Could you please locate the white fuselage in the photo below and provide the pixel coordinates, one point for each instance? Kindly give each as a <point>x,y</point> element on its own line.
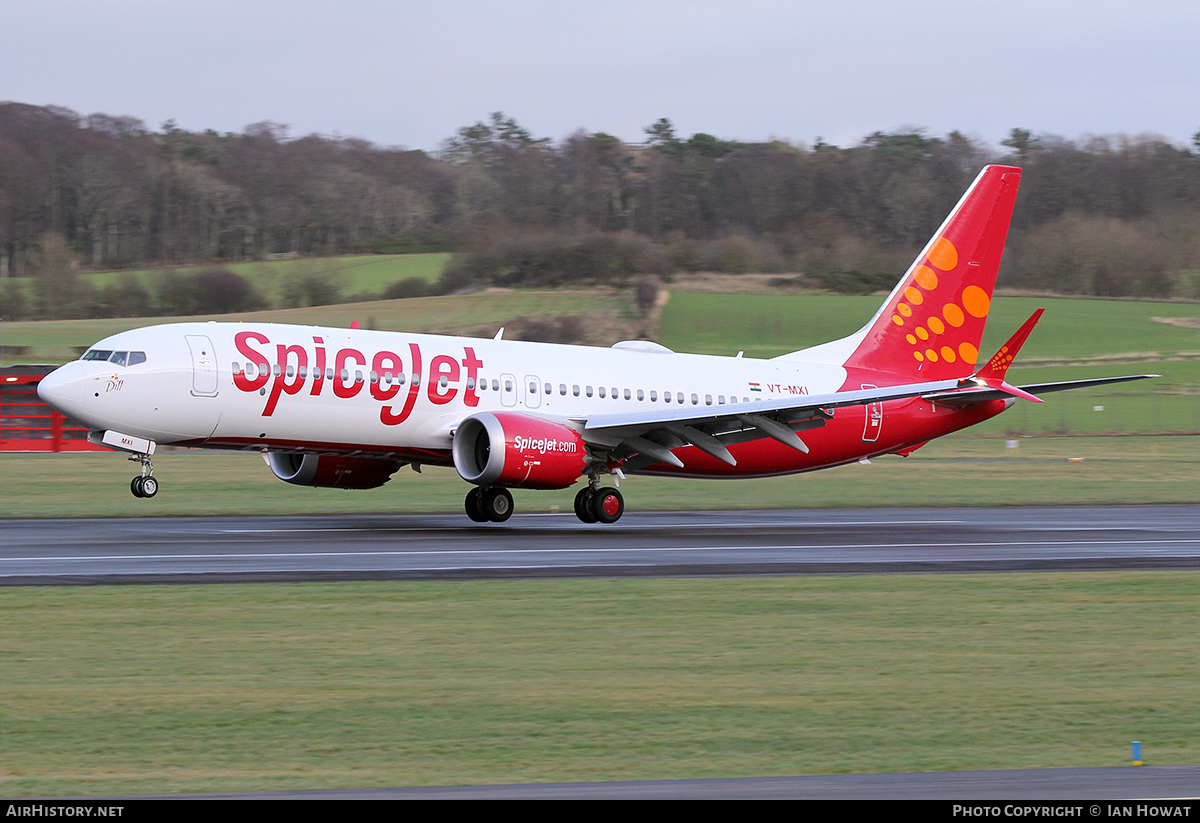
<point>349,390</point>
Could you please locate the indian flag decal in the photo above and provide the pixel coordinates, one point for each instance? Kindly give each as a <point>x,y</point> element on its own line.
<point>755,387</point>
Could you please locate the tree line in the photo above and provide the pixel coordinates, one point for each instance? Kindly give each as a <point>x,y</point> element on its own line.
<point>1102,215</point>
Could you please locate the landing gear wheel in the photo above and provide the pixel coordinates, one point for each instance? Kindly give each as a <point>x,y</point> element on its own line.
<point>583,509</point>
<point>474,505</point>
<point>497,505</point>
<point>144,485</point>
<point>607,505</point>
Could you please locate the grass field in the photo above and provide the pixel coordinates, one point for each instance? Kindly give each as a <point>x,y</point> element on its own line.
<point>762,325</point>
<point>1076,339</point>
<point>770,325</point>
<point>193,688</point>
<point>956,471</point>
<point>221,688</point>
<point>354,273</point>
<point>56,341</point>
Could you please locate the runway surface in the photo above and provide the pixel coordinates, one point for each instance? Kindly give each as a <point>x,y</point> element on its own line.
<point>362,547</point>
<point>1084,785</point>
<point>230,550</point>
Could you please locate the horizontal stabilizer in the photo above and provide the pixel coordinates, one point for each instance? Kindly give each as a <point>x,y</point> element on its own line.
<point>980,394</point>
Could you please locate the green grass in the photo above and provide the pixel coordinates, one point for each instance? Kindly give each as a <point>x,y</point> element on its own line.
<point>354,273</point>
<point>126,690</point>
<point>1076,339</point>
<point>770,325</point>
<point>955,471</point>
<point>224,688</point>
<point>761,325</point>
<point>56,341</point>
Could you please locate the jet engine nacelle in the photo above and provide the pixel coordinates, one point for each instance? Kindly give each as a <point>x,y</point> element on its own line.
<point>332,471</point>
<point>509,449</point>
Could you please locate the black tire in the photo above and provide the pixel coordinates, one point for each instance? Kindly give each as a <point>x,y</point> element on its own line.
<point>497,505</point>
<point>474,505</point>
<point>149,486</point>
<point>607,505</point>
<point>583,509</point>
<point>135,486</point>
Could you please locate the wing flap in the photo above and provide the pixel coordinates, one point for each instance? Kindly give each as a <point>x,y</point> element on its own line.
<point>651,437</point>
<point>795,407</point>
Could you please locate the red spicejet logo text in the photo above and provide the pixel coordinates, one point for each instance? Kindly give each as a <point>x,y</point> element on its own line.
<point>296,357</point>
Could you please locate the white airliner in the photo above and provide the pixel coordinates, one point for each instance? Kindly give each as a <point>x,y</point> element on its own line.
<point>347,408</point>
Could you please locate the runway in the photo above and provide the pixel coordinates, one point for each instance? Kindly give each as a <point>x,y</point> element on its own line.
<point>378,547</point>
<point>829,541</point>
<point>1114,783</point>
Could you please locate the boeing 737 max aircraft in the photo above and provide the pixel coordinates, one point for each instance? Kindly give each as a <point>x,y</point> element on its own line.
<point>347,408</point>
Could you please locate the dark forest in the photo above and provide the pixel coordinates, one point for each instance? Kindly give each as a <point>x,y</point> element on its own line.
<point>1114,216</point>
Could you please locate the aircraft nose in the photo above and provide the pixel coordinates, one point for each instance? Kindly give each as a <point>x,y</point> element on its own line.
<point>63,389</point>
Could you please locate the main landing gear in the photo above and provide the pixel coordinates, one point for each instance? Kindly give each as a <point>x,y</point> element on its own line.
<point>599,505</point>
<point>592,505</point>
<point>145,484</point>
<point>494,504</point>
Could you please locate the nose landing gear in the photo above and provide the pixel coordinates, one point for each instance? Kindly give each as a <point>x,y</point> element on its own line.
<point>145,484</point>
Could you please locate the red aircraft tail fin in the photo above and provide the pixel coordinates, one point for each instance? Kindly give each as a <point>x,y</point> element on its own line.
<point>931,324</point>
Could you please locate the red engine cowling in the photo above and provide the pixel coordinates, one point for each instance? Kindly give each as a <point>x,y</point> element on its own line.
<point>509,449</point>
<point>331,471</point>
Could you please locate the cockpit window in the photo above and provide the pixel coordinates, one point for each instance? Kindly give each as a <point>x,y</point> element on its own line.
<point>121,358</point>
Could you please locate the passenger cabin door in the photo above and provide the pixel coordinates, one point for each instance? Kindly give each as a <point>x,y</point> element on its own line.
<point>204,365</point>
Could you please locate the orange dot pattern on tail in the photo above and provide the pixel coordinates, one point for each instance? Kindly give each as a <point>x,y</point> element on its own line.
<point>942,320</point>
<point>932,323</point>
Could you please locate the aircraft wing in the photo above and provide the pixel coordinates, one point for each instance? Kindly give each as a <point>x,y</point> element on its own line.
<point>966,397</point>
<point>647,437</point>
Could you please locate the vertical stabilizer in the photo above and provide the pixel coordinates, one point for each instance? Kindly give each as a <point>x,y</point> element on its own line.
<point>930,326</point>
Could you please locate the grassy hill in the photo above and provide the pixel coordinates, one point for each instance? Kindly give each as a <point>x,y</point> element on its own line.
<point>1077,338</point>
<point>766,325</point>
<point>57,341</point>
<point>354,274</point>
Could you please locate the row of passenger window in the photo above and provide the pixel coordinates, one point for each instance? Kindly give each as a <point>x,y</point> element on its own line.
<point>399,379</point>
<point>615,394</point>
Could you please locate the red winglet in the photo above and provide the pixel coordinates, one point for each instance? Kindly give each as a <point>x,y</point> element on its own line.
<point>992,374</point>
